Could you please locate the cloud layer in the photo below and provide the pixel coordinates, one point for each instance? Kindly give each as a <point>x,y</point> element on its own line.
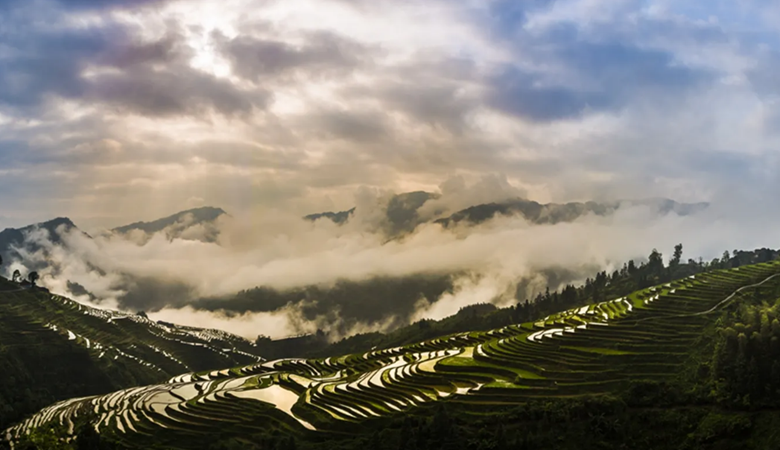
<point>486,263</point>
<point>118,111</point>
<point>112,112</point>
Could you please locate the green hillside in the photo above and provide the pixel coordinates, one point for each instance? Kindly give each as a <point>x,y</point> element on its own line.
<point>639,348</point>
<point>52,348</point>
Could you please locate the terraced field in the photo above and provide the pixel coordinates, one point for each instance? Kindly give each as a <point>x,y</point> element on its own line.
<point>154,350</point>
<point>590,350</point>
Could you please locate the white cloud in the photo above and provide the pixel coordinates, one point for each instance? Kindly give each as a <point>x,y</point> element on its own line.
<point>610,100</point>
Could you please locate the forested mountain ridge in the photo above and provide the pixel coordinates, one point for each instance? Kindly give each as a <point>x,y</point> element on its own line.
<point>17,243</point>
<point>402,211</point>
<point>574,373</point>
<point>552,213</point>
<point>631,277</point>
<point>175,224</point>
<point>52,348</point>
<point>20,243</point>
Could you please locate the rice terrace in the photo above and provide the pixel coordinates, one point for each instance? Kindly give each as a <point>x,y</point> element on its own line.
<point>594,349</point>
<point>389,225</point>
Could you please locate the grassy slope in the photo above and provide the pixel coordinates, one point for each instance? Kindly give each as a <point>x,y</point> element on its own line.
<point>638,367</point>
<point>52,348</point>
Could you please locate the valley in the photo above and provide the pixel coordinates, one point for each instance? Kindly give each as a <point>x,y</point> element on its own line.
<point>597,349</point>
<point>52,348</point>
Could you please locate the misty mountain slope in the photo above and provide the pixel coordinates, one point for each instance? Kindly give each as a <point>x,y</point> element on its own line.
<point>628,347</point>
<point>176,225</point>
<point>378,286</point>
<point>31,245</point>
<point>484,316</point>
<point>57,348</point>
<point>343,305</point>
<point>337,217</point>
<point>15,243</point>
<point>400,212</point>
<point>552,213</point>
<point>54,246</point>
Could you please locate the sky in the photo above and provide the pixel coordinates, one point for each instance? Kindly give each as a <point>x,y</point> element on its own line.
<point>117,111</point>
<point>114,111</point>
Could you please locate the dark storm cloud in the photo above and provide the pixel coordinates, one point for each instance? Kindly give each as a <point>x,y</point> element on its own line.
<point>130,54</point>
<point>598,77</point>
<point>359,126</point>
<point>35,65</point>
<point>148,78</point>
<point>175,91</point>
<point>514,91</point>
<point>438,105</point>
<point>321,54</point>
<point>101,4</point>
<point>564,69</point>
<point>332,105</point>
<point>505,17</point>
<point>80,5</point>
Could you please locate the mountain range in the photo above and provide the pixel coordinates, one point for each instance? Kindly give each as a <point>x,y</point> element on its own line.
<point>401,212</point>
<point>665,366</point>
<point>174,226</point>
<point>342,305</point>
<point>19,243</point>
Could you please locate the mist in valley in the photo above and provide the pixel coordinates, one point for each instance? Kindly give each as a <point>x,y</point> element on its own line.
<point>286,109</point>
<point>279,275</point>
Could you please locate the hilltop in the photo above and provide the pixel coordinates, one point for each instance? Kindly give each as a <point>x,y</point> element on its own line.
<point>31,237</point>
<point>680,347</point>
<point>175,225</point>
<point>400,212</point>
<point>14,242</point>
<point>552,213</point>
<point>52,348</point>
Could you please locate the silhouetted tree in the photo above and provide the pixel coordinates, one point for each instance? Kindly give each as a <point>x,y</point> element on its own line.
<point>16,276</point>
<point>32,277</point>
<point>677,255</point>
<point>655,263</point>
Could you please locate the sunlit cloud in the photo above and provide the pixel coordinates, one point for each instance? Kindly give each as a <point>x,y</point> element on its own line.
<point>112,112</point>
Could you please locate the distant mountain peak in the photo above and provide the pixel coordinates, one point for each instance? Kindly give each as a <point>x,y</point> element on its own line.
<point>551,213</point>
<point>400,212</point>
<point>202,214</point>
<point>176,224</point>
<point>337,217</point>
<point>48,224</point>
<point>13,239</point>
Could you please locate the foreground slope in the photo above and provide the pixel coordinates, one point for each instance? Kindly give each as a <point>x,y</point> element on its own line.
<point>53,348</point>
<point>595,349</point>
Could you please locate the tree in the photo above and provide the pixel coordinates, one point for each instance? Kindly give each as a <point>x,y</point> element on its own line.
<point>677,255</point>
<point>32,277</point>
<point>16,276</point>
<point>655,262</point>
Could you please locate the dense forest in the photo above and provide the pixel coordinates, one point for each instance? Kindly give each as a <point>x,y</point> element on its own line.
<point>729,393</point>
<point>602,286</point>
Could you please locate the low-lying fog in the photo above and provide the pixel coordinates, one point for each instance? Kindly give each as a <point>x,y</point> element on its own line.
<point>166,277</point>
